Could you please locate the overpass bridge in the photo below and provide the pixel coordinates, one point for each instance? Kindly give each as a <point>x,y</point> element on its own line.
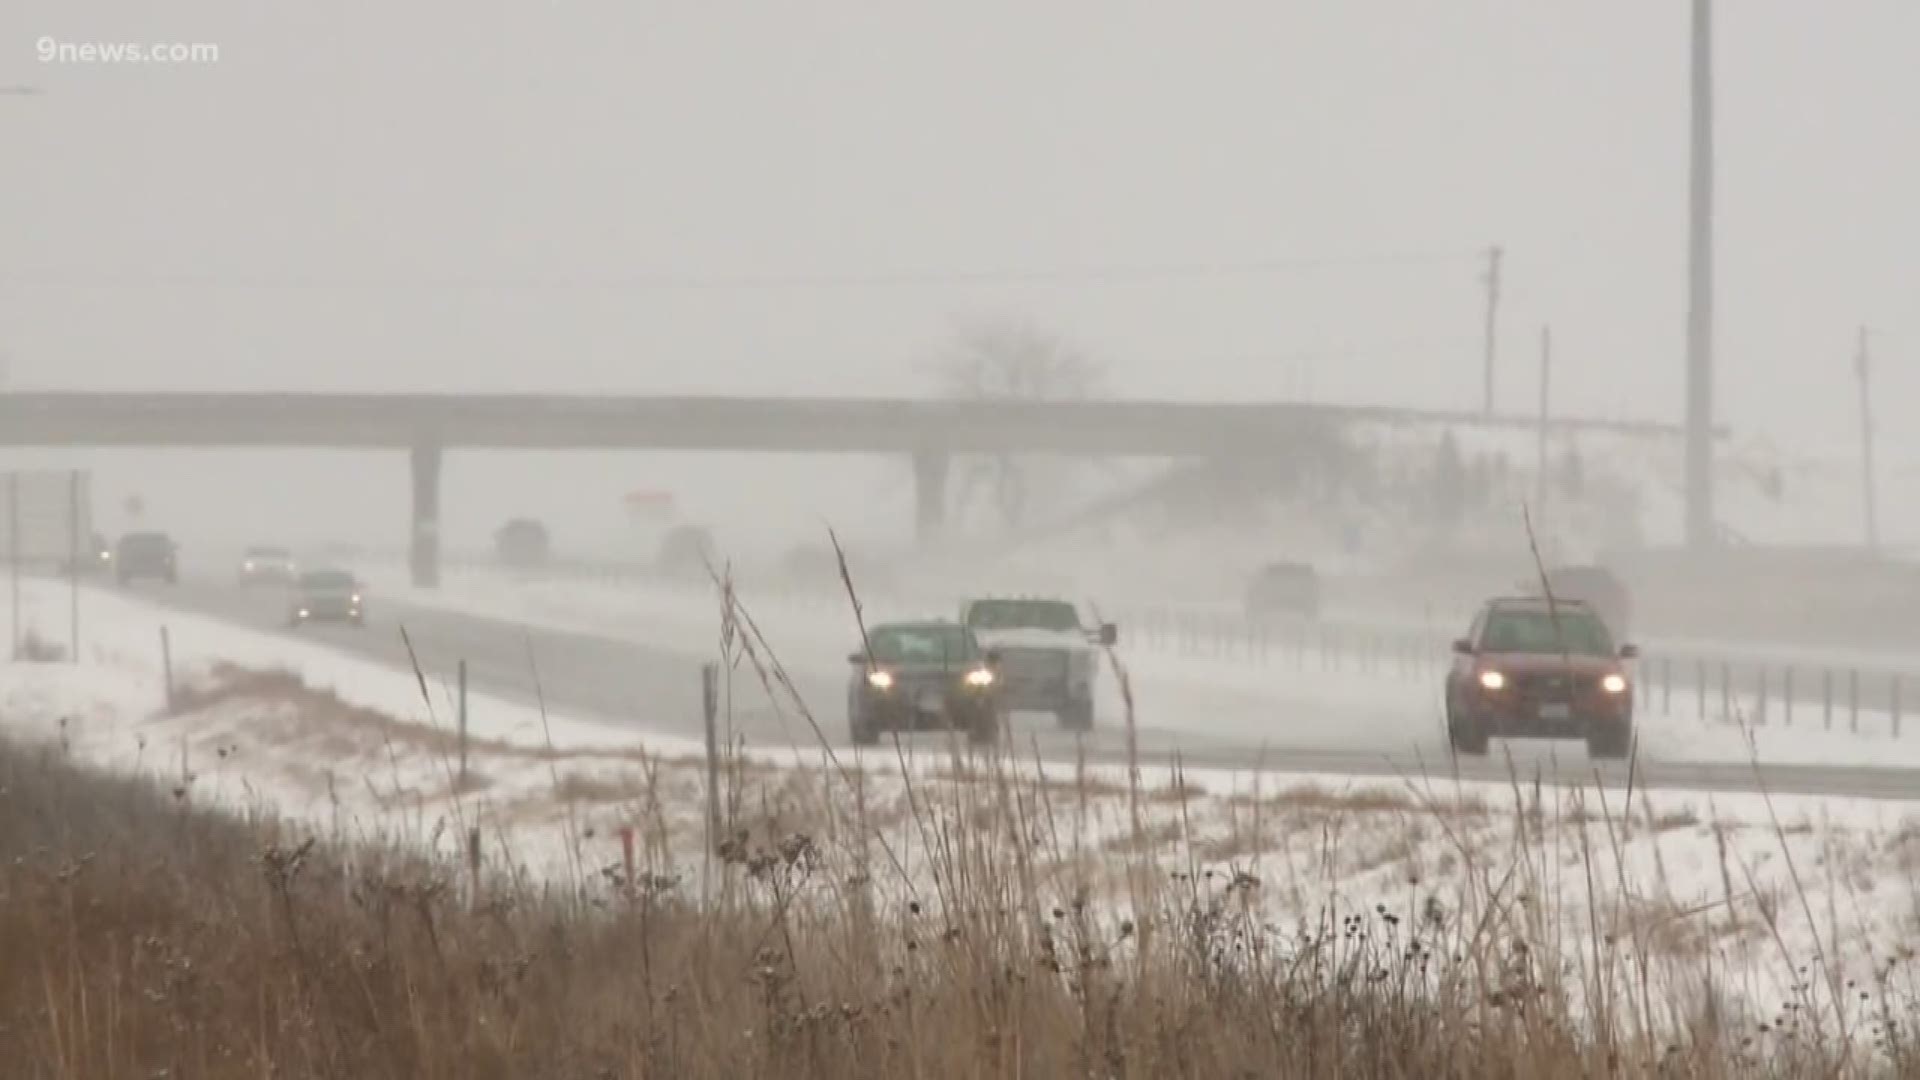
<point>928,431</point>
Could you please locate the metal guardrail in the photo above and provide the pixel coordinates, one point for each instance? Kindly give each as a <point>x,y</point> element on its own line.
<point>1755,690</point>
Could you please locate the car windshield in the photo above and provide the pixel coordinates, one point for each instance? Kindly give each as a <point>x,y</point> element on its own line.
<point>268,553</point>
<point>1575,631</point>
<point>327,579</point>
<point>1023,615</point>
<point>921,644</point>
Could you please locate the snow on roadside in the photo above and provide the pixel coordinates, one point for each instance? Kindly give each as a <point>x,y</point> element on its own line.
<point>1760,886</point>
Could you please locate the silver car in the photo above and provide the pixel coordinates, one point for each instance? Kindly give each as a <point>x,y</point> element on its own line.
<point>326,596</point>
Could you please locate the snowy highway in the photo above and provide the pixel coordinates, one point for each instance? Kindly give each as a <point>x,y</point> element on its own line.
<point>654,688</point>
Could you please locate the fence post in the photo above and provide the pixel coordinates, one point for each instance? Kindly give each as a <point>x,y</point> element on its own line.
<point>1786,697</point>
<point>73,556</point>
<point>1666,685</point>
<point>1760,695</point>
<point>1853,698</point>
<point>1726,690</point>
<point>1826,696</point>
<point>1894,689</point>
<point>473,867</point>
<point>462,669</point>
<point>13,552</point>
<point>166,665</point>
<point>1700,685</point>
<point>709,714</point>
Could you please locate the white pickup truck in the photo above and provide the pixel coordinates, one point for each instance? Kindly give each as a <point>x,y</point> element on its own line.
<point>1045,655</point>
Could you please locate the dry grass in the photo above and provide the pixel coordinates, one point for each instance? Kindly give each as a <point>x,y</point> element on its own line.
<point>139,937</point>
<point>983,924</point>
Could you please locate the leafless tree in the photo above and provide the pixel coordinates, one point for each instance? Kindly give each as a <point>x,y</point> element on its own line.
<point>1009,359</point>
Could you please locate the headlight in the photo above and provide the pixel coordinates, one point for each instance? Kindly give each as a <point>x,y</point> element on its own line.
<point>979,677</point>
<point>1493,680</point>
<point>106,556</point>
<point>879,680</point>
<point>356,598</point>
<point>303,613</point>
<point>1614,684</point>
<point>247,566</point>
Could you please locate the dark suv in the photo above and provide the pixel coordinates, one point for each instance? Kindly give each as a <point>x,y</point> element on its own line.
<point>147,555</point>
<point>1531,668</point>
<point>922,675</point>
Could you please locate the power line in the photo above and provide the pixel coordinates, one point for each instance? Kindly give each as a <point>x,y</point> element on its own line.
<point>1090,275</point>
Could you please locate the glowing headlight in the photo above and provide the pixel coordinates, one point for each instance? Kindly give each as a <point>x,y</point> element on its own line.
<point>356,598</point>
<point>879,680</point>
<point>106,556</point>
<point>979,677</point>
<point>304,613</point>
<point>1493,680</point>
<point>1614,684</point>
<point>247,566</point>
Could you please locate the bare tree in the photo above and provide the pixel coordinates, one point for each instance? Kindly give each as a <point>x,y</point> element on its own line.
<point>1007,359</point>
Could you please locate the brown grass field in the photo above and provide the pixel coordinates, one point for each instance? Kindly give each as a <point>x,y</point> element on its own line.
<point>141,937</point>
<point>973,922</point>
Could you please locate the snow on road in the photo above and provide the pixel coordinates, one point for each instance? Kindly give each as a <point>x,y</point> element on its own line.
<point>1278,699</point>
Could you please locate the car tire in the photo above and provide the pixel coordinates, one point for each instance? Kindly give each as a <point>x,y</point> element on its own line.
<point>1466,735</point>
<point>984,729</point>
<point>1077,716</point>
<point>1610,742</point>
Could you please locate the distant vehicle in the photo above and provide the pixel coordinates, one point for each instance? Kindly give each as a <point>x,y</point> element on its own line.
<point>1530,669</point>
<point>1047,658</point>
<point>95,557</point>
<point>263,565</point>
<point>523,544</point>
<point>1596,586</point>
<point>147,555</point>
<point>1284,590</point>
<point>326,596</point>
<point>916,675</point>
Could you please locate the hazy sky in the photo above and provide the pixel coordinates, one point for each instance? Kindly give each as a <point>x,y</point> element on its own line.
<point>801,198</point>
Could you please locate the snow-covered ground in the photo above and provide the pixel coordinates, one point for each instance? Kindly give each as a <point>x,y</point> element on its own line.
<point>1788,897</point>
<point>1278,697</point>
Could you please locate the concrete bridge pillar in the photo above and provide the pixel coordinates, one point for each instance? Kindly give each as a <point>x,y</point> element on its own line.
<point>424,550</point>
<point>929,496</point>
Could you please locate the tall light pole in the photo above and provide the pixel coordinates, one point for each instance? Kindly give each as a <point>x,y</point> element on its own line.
<point>1491,336</point>
<point>1862,372</point>
<point>1546,377</point>
<point>1701,533</point>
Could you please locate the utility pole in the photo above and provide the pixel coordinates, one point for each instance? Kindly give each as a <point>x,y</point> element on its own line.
<point>1862,372</point>
<point>1546,376</point>
<point>1700,516</point>
<point>1491,279</point>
